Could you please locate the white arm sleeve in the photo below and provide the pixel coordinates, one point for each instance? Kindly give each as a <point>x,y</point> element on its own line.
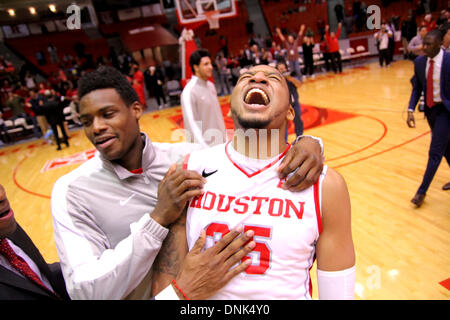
<point>167,294</point>
<point>336,285</point>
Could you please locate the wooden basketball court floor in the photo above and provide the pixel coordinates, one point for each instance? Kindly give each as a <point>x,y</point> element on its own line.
<point>401,252</point>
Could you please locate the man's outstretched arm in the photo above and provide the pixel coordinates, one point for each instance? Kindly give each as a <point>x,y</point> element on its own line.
<point>334,250</point>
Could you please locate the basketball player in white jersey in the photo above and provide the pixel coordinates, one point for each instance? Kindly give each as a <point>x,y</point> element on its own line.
<point>243,191</point>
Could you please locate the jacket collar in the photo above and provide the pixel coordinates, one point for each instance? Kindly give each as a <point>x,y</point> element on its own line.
<point>148,155</point>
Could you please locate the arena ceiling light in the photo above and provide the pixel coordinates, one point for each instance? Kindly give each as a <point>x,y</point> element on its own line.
<point>11,12</point>
<point>52,8</point>
<point>32,10</point>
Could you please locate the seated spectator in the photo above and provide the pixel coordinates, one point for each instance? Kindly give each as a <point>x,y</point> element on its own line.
<point>3,131</point>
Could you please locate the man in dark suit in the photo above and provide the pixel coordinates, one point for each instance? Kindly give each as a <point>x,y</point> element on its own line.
<point>24,274</point>
<point>53,112</point>
<point>432,77</point>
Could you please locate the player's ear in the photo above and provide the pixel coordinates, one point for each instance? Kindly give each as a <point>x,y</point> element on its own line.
<point>137,110</point>
<point>290,114</point>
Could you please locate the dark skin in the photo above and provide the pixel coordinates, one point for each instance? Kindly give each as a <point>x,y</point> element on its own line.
<point>431,46</point>
<point>7,222</point>
<point>112,127</point>
<point>175,247</point>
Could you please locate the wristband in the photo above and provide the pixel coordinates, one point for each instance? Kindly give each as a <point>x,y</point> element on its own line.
<point>179,289</point>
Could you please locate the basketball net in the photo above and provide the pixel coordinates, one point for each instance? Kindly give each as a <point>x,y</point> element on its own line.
<point>213,18</point>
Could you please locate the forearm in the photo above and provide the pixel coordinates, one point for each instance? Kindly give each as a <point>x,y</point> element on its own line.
<point>91,272</point>
<point>168,262</point>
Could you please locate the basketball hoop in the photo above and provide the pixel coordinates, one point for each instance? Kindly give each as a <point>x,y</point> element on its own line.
<point>213,18</point>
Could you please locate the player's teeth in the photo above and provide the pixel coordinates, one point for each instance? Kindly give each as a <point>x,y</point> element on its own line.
<point>266,99</point>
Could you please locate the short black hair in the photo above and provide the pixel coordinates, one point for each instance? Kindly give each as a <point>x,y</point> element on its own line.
<point>435,34</point>
<point>106,77</point>
<point>196,56</point>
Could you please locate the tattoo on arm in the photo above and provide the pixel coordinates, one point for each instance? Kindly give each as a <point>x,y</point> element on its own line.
<point>169,260</point>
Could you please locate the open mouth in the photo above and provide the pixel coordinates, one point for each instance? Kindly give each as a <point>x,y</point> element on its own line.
<point>104,142</point>
<point>256,96</point>
<point>6,213</point>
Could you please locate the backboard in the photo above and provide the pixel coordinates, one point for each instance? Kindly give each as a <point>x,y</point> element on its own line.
<point>194,11</point>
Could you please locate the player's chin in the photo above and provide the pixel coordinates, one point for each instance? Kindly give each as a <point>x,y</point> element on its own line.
<point>253,122</point>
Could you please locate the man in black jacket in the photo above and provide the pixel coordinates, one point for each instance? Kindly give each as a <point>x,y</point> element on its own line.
<point>24,274</point>
<point>55,117</point>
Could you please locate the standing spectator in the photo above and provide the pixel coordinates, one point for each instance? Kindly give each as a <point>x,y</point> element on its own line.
<point>139,88</point>
<point>224,72</point>
<point>40,58</point>
<point>325,53</point>
<point>431,78</point>
<point>291,44</point>
<point>138,83</point>
<point>391,41</point>
<point>33,102</point>
<point>202,114</point>
<point>382,38</point>
<point>223,44</point>
<point>409,28</point>
<point>55,117</point>
<point>29,81</point>
<point>339,11</point>
<point>333,47</point>
<point>154,84</point>
<point>53,53</point>
<point>415,45</point>
<point>308,46</point>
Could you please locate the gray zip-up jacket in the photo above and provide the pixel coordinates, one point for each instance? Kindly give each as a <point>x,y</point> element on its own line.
<point>105,238</point>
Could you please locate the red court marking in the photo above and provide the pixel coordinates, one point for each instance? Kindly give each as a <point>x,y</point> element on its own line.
<point>22,188</point>
<point>383,151</point>
<point>445,283</point>
<point>369,145</point>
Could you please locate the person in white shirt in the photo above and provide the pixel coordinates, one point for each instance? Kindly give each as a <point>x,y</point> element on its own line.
<point>382,38</point>
<point>202,114</point>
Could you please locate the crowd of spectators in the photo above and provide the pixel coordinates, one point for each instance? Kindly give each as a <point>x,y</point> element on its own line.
<point>25,93</point>
<point>22,87</point>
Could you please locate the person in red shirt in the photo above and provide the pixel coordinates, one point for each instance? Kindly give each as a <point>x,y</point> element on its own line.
<point>139,88</point>
<point>137,81</point>
<point>429,23</point>
<point>333,47</point>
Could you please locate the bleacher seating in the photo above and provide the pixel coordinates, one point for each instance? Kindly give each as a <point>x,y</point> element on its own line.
<point>29,46</point>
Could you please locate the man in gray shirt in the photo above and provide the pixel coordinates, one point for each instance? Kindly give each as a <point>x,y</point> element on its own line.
<point>202,114</point>
<point>415,45</point>
<point>112,213</point>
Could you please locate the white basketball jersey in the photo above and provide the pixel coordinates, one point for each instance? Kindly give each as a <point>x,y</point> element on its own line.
<point>286,224</point>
